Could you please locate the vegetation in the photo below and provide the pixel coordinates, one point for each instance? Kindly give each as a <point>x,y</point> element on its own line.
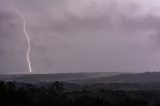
<point>30,95</point>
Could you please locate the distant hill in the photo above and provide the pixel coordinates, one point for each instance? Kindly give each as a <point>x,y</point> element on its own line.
<point>87,78</point>
<point>65,77</point>
<point>92,81</point>
<point>148,77</point>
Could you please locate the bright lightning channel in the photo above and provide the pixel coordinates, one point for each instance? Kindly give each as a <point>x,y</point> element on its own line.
<point>26,34</point>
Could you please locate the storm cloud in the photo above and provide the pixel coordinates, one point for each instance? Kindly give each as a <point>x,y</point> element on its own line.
<point>81,36</point>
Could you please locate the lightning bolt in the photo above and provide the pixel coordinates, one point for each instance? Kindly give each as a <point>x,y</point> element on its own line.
<point>26,35</point>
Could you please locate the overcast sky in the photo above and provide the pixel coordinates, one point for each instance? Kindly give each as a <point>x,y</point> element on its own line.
<point>81,36</point>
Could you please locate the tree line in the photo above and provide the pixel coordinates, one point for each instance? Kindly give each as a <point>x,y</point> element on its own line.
<point>30,95</point>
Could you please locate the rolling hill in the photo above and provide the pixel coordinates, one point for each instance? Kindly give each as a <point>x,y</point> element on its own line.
<point>147,77</point>
<point>65,77</point>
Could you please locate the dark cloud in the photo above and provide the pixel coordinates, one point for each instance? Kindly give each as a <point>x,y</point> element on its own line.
<point>73,36</point>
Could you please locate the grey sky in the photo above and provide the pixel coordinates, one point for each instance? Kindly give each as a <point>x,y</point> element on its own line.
<point>81,35</point>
